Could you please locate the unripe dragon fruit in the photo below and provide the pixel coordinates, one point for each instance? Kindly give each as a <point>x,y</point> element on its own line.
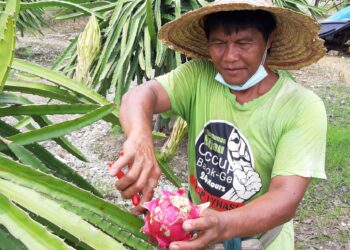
<point>163,222</point>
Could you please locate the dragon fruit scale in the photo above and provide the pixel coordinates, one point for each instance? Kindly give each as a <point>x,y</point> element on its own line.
<point>166,214</point>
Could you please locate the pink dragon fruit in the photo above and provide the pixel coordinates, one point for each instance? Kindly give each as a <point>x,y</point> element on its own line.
<point>163,222</point>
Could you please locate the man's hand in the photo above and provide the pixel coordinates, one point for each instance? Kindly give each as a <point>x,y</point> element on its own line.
<point>210,227</point>
<point>143,173</point>
<point>136,112</point>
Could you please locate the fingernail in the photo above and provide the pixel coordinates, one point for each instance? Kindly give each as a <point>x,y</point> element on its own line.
<point>174,247</point>
<point>187,226</point>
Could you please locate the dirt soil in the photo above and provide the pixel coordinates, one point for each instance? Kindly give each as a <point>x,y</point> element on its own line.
<point>100,145</point>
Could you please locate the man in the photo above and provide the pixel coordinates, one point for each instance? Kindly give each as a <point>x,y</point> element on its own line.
<point>255,136</point>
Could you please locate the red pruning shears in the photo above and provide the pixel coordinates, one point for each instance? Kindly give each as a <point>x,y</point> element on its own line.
<point>136,197</point>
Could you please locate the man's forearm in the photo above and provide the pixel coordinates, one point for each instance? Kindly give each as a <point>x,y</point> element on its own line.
<point>266,212</point>
<point>139,105</point>
<point>136,111</point>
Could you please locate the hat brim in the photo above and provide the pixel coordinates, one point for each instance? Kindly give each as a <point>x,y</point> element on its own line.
<point>296,43</point>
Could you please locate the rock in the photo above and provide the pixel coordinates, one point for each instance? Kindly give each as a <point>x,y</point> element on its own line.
<point>333,53</point>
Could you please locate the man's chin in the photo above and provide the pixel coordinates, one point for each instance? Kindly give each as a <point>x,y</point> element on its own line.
<point>234,81</point>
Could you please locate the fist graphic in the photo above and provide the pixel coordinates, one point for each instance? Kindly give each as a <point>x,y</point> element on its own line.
<point>246,183</point>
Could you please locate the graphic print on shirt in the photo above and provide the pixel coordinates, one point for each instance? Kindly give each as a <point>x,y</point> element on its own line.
<point>225,167</point>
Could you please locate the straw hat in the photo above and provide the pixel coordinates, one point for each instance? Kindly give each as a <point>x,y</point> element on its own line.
<point>295,45</point>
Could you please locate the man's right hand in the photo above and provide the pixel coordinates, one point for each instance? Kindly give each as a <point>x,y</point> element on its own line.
<point>144,172</point>
<point>136,112</point>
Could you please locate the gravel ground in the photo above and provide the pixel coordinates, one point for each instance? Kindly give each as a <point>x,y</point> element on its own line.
<point>100,145</point>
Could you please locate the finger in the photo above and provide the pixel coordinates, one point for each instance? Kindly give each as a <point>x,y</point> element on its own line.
<point>147,194</point>
<point>149,177</point>
<point>203,241</point>
<point>119,164</point>
<point>129,179</point>
<point>148,191</point>
<point>134,180</point>
<point>200,224</point>
<point>138,210</point>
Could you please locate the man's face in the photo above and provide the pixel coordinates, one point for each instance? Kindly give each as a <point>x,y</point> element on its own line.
<point>236,56</point>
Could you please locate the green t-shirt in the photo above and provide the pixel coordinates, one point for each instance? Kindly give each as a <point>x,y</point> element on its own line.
<point>234,150</point>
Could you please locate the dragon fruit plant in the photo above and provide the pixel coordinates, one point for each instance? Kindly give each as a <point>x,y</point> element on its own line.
<point>166,214</point>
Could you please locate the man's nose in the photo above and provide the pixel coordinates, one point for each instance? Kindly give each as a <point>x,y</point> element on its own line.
<point>231,53</point>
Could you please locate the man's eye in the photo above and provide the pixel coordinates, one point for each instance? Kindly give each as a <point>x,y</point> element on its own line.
<point>243,43</point>
<point>216,43</point>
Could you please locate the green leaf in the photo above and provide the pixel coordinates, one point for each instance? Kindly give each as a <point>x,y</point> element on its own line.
<point>194,4</point>
<point>84,213</point>
<point>55,92</point>
<point>28,158</point>
<point>60,169</point>
<point>61,3</point>
<point>43,121</point>
<point>166,170</point>
<point>60,129</point>
<point>141,57</point>
<point>150,20</point>
<point>58,79</point>
<point>66,53</point>
<point>68,238</point>
<point>7,46</point>
<point>148,54</point>
<point>158,135</point>
<point>178,14</point>
<point>11,12</point>
<point>24,122</point>
<point>12,8</point>
<point>203,2</point>
<point>32,21</point>
<point>8,241</point>
<point>22,227</point>
<point>103,9</point>
<point>115,16</point>
<point>131,73</point>
<point>115,29</point>
<point>132,38</point>
<point>56,167</point>
<point>160,49</point>
<point>125,34</point>
<point>47,109</point>
<point>41,89</point>
<point>39,204</point>
<point>8,98</point>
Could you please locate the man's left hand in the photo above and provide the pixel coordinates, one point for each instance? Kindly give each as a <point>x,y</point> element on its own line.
<point>210,228</point>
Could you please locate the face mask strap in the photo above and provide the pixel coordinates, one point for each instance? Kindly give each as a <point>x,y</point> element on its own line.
<point>265,53</point>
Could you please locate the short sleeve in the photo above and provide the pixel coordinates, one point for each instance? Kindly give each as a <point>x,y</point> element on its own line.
<point>180,85</point>
<point>301,149</point>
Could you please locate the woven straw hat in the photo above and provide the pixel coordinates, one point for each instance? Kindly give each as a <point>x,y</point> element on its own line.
<point>296,43</point>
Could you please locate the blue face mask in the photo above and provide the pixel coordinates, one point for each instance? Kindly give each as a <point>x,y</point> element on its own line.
<point>259,75</point>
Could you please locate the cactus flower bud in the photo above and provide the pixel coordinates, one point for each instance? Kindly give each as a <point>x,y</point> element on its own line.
<point>87,48</point>
<point>163,222</point>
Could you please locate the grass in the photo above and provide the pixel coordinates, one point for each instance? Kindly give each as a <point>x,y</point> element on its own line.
<point>326,205</point>
<point>337,102</point>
